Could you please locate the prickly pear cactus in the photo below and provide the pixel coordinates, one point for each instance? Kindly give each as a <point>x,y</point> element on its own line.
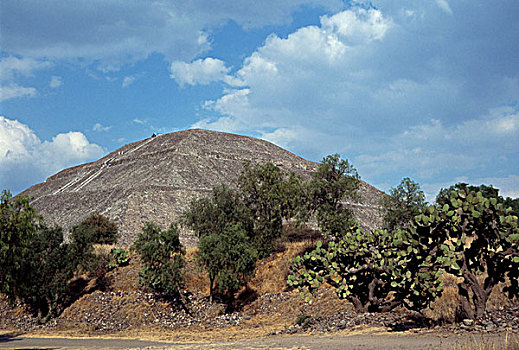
<point>474,235</point>
<point>365,267</point>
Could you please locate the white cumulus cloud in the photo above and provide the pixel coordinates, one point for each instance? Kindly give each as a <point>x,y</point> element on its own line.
<point>25,159</point>
<point>201,71</point>
<point>400,88</point>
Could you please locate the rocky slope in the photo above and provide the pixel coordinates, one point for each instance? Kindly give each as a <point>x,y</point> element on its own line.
<point>155,180</point>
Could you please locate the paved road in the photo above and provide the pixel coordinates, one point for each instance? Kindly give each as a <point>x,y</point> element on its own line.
<point>339,342</point>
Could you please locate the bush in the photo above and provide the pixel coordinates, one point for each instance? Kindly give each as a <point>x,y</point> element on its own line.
<point>36,264</point>
<point>224,227</point>
<point>229,259</point>
<point>101,229</point>
<point>271,196</point>
<point>403,203</point>
<point>162,258</point>
<point>118,257</point>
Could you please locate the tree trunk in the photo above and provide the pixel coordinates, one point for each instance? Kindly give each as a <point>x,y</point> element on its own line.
<point>464,310</point>
<point>357,304</point>
<point>211,287</point>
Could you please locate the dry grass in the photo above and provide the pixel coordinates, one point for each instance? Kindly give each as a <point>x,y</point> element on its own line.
<point>271,274</point>
<point>195,278</point>
<point>507,342</point>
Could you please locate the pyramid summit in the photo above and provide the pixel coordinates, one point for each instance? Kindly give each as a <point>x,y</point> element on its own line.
<point>157,178</point>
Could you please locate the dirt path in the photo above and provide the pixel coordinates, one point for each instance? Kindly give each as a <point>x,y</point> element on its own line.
<point>336,341</point>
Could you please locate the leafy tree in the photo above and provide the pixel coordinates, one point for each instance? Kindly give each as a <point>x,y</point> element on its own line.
<point>366,266</point>
<point>228,257</point>
<point>272,196</point>
<point>101,228</point>
<point>162,257</point>
<point>206,216</point>
<point>403,203</point>
<point>333,183</point>
<point>36,264</point>
<point>18,223</point>
<point>225,229</point>
<point>475,234</point>
<point>49,266</point>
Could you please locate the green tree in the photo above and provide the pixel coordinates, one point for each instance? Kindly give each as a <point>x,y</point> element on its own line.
<point>272,196</point>
<point>229,259</point>
<point>487,192</point>
<point>512,203</point>
<point>475,234</point>
<point>206,216</point>
<point>225,229</point>
<point>18,223</point>
<point>333,184</point>
<point>101,228</point>
<point>49,266</point>
<point>162,257</point>
<point>36,264</point>
<point>403,203</point>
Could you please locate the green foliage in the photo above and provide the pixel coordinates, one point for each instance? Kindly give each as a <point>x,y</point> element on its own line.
<point>18,223</point>
<point>206,216</point>
<point>101,228</point>
<point>444,194</point>
<point>512,203</point>
<point>271,196</point>
<point>334,182</point>
<point>48,267</point>
<point>365,267</point>
<point>162,257</point>
<point>403,203</point>
<point>475,234</point>
<point>118,257</point>
<point>81,246</point>
<point>228,257</point>
<point>224,226</point>
<point>466,235</point>
<point>36,264</point>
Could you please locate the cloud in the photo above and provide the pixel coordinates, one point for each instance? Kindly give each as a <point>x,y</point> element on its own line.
<point>56,82</point>
<point>444,5</point>
<point>25,159</point>
<point>402,89</point>
<point>113,32</point>
<point>12,66</point>
<point>15,91</point>
<point>202,71</point>
<point>99,127</point>
<point>127,81</point>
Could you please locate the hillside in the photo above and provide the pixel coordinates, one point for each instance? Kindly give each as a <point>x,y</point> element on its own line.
<point>155,180</point>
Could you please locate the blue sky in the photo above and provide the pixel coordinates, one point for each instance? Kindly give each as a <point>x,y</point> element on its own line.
<point>425,89</point>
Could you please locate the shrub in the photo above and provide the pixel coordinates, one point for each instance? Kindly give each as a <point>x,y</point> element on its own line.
<point>36,264</point>
<point>162,257</point>
<point>101,229</point>
<point>118,257</point>
<point>271,196</point>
